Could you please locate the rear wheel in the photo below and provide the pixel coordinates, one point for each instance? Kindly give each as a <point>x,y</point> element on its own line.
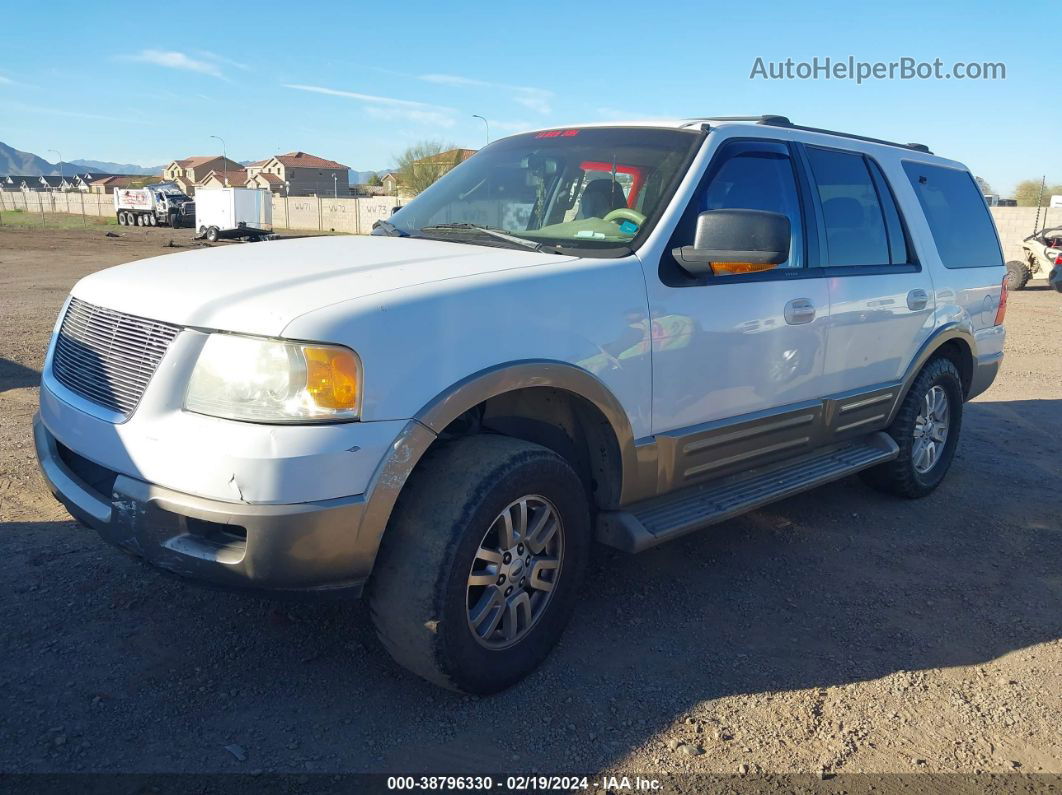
<point>121,219</point>
<point>152,220</point>
<point>480,567</point>
<point>212,234</point>
<point>1017,275</point>
<point>926,429</point>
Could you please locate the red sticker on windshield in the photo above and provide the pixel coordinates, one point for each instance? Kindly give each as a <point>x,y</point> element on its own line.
<point>557,134</point>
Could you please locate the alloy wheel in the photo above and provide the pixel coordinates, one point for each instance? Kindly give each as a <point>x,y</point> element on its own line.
<point>515,572</point>
<point>931,430</point>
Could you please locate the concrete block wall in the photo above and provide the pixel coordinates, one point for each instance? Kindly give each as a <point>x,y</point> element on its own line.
<point>1016,223</point>
<point>75,203</point>
<point>304,213</point>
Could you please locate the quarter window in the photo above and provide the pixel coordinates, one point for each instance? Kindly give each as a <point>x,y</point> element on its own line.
<point>855,225</point>
<point>957,214</point>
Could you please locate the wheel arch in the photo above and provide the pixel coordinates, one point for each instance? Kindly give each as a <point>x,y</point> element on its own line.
<point>516,397</point>
<point>952,341</point>
<point>534,389</point>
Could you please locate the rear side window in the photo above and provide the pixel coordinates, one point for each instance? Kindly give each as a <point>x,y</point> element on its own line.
<point>855,224</point>
<point>957,214</point>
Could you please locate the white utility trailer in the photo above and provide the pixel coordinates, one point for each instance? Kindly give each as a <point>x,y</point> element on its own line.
<point>226,213</point>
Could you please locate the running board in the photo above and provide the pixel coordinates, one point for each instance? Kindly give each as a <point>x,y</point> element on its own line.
<point>654,521</point>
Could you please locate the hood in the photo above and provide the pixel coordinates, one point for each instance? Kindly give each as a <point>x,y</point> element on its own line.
<point>260,288</point>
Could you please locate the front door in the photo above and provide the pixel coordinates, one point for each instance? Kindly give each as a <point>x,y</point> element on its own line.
<point>738,359</point>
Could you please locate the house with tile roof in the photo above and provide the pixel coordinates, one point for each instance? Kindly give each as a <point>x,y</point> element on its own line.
<point>232,178</point>
<point>303,174</point>
<point>187,173</point>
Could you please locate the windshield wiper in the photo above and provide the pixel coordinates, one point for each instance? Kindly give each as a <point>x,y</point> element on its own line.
<point>498,234</point>
<point>389,229</point>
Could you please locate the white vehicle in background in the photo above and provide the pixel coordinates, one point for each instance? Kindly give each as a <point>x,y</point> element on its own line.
<point>162,204</point>
<point>227,213</point>
<point>621,332</point>
<point>1041,255</point>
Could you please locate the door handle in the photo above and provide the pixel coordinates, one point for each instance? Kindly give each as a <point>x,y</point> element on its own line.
<point>799,310</point>
<point>917,299</point>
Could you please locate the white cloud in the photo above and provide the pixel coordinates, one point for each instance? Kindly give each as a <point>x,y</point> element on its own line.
<point>511,126</point>
<point>453,80</point>
<point>389,107</point>
<point>213,56</point>
<point>536,99</point>
<point>428,117</point>
<point>172,59</point>
<point>21,108</point>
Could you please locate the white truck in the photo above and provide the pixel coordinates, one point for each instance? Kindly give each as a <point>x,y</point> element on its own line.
<point>162,204</point>
<point>225,213</point>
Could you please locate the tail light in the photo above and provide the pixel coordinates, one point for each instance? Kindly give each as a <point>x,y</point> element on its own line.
<point>1001,312</point>
<point>1058,259</point>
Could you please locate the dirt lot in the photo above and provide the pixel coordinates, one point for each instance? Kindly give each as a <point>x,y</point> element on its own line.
<point>840,630</point>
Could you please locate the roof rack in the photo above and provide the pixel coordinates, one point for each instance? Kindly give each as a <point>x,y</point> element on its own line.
<point>773,120</point>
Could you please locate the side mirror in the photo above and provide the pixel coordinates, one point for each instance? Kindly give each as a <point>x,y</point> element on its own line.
<point>728,242</point>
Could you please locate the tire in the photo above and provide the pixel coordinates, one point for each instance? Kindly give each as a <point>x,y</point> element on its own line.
<point>907,475</point>
<point>121,219</point>
<point>212,234</point>
<point>1017,275</point>
<point>152,220</point>
<point>420,594</point>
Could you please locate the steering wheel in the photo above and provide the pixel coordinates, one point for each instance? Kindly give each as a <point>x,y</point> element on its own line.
<point>625,214</point>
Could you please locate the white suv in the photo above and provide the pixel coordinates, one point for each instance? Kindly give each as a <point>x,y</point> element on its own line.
<point>623,333</point>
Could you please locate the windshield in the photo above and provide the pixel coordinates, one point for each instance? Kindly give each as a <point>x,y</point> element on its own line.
<point>595,189</point>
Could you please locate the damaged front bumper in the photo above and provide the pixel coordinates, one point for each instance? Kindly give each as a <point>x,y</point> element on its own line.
<point>303,546</point>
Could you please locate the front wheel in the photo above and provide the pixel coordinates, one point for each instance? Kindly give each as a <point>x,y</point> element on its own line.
<point>1018,275</point>
<point>926,429</point>
<point>481,563</point>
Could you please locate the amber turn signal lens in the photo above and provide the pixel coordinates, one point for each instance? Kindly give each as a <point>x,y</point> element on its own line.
<point>332,377</point>
<point>731,268</point>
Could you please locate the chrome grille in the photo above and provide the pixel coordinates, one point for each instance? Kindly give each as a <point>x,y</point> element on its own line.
<point>108,357</point>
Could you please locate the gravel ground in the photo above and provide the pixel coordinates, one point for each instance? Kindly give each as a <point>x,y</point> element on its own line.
<point>838,631</point>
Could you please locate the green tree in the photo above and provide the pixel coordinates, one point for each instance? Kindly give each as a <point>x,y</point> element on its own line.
<point>1029,189</point>
<point>982,183</point>
<point>423,163</point>
<point>375,181</point>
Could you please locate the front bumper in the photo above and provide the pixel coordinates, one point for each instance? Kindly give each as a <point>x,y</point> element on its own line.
<point>318,545</point>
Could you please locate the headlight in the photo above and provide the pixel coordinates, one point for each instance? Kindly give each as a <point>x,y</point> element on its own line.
<point>263,380</point>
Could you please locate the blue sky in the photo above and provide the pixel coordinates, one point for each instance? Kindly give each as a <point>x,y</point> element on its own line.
<point>355,82</point>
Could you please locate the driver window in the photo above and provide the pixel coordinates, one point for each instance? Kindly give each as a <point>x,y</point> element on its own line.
<point>750,175</point>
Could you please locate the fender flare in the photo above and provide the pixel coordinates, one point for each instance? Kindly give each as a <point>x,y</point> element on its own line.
<point>946,333</point>
<point>424,428</point>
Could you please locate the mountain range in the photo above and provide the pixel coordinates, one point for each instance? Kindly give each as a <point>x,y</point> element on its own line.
<point>15,161</point>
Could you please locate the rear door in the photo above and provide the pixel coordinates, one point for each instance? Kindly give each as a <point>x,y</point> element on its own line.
<point>881,297</point>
